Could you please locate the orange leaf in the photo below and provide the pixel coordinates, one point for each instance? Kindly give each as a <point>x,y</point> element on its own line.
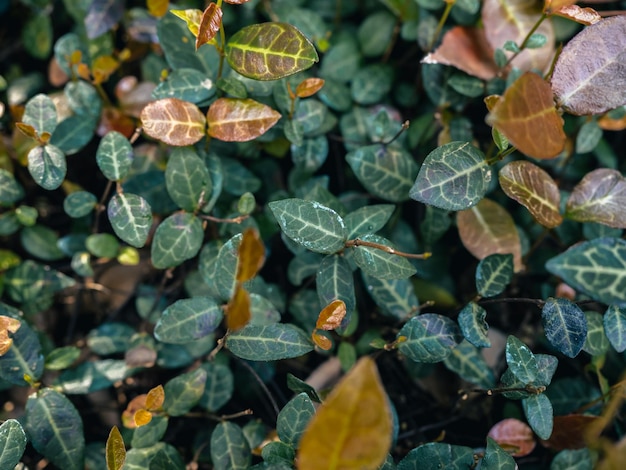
<point>136,404</point>
<point>321,341</point>
<point>7,325</point>
<point>533,188</point>
<point>550,6</point>
<point>309,87</point>
<point>209,25</point>
<point>115,450</point>
<point>142,417</point>
<point>607,123</point>
<point>27,130</point>
<point>238,310</point>
<point>331,316</point>
<point>526,115</point>
<point>352,428</point>
<point>157,8</point>
<point>513,434</point>
<point>487,228</point>
<point>251,254</point>
<point>155,398</point>
<point>173,121</point>
<point>584,16</point>
<point>237,120</point>
<point>467,49</point>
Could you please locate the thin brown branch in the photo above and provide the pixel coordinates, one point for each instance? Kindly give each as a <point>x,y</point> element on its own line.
<point>234,220</point>
<point>358,242</point>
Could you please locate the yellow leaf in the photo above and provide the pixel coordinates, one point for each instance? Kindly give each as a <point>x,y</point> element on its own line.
<point>251,255</point>
<point>136,404</point>
<point>7,325</point>
<point>192,17</point>
<point>155,398</point>
<point>157,8</point>
<point>115,450</point>
<point>142,417</point>
<point>238,309</point>
<point>352,428</point>
<point>331,316</point>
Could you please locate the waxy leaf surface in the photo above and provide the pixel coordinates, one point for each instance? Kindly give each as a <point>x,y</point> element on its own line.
<point>429,338</point>
<point>173,121</point>
<point>209,25</point>
<point>599,197</point>
<point>12,443</point>
<point>237,120</point>
<point>269,343</point>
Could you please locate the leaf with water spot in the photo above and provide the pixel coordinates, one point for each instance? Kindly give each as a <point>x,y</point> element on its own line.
<point>565,325</point>
<point>173,121</point>
<point>12,443</point>
<point>599,197</point>
<point>237,120</point>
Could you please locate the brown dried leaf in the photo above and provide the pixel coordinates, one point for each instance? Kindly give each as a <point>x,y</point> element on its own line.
<point>309,87</point>
<point>209,25</point>
<point>599,197</point>
<point>237,120</point>
<point>568,432</point>
<point>173,121</point>
<point>584,16</point>
<point>238,311</point>
<point>27,130</point>
<point>7,325</point>
<point>467,49</point>
<point>506,20</point>
<point>487,228</point>
<point>331,316</point>
<point>513,434</point>
<point>533,188</point>
<point>526,115</point>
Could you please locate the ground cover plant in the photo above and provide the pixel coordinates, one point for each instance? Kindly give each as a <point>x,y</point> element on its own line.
<point>313,234</point>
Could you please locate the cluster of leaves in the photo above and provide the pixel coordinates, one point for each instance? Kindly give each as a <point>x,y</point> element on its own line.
<point>222,234</point>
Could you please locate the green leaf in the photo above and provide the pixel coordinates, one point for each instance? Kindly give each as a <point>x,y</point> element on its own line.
<point>92,376</point>
<point>467,85</point>
<point>102,245</point>
<point>41,113</point>
<point>395,297</point>
<point>596,342</point>
<point>218,388</point>
<point>79,203</point>
<point>177,238</point>
<point>187,179</point>
<point>73,133</point>
<point>493,274</point>
<point>277,453</point>
<point>473,325</point>
<point>579,459</point>
<point>521,360</point>
<point>61,358</point>
<point>229,447</point>
<point>269,343</point>
<point>10,190</point>
<point>12,443</point>
<point>436,223</point>
<point>436,455</point>
<point>151,433</point>
<point>539,413</point>
<point>596,268</point>
<point>570,393</point>
<point>588,137</point>
<point>466,361</point>
<point>302,266</point>
<point>183,392</point>
<point>23,357</point>
<point>385,171</point>
<point>496,458</point>
<point>37,35</point>
<point>114,156</point>
<point>297,386</point>
<point>47,166</point>
<point>186,84</point>
<point>262,311</point>
<point>379,263</point>
<point>55,429</point>
<point>453,177</point>
<point>41,242</point>
<point>131,218</point>
<point>110,338</point>
<point>83,99</point>
<point>375,33</point>
<point>615,327</point>
<point>167,458</point>
<point>188,319</point>
<point>269,51</point>
<point>342,61</point>
<point>225,268</point>
<point>335,282</point>
<point>372,83</point>
<point>565,325</point>
<point>310,224</point>
<point>429,338</point>
<point>334,94</point>
<point>293,419</point>
<point>238,179</point>
<point>310,114</point>
<point>311,154</point>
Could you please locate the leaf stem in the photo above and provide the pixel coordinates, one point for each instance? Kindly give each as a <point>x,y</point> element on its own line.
<point>234,220</point>
<point>526,39</point>
<point>442,20</point>
<point>358,242</point>
<point>100,206</point>
<point>405,126</point>
<point>501,155</point>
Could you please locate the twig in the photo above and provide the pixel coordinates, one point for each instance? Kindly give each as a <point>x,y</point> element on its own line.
<point>358,242</point>
<point>261,384</point>
<point>234,220</point>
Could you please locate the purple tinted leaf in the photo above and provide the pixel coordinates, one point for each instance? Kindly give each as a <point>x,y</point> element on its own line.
<point>102,16</point>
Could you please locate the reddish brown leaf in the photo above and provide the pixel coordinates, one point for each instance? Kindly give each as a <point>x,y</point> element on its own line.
<point>568,432</point>
<point>533,188</point>
<point>251,255</point>
<point>209,25</point>
<point>157,8</point>
<point>173,121</point>
<point>526,115</point>
<point>584,16</point>
<point>599,197</point>
<point>237,120</point>
<point>113,119</point>
<point>7,325</point>
<point>238,311</point>
<point>609,124</point>
<point>513,434</point>
<point>128,415</point>
<point>56,75</point>
<point>133,95</point>
<point>331,316</point>
<point>309,87</point>
<point>487,228</point>
<point>155,398</point>
<point>511,20</point>
<point>321,341</point>
<point>467,49</point>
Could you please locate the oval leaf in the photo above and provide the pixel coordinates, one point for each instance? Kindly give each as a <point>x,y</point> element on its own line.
<point>533,188</point>
<point>115,450</point>
<point>47,166</point>
<point>187,179</point>
<point>429,338</point>
<point>238,309</point>
<point>131,218</point>
<point>251,254</point>
<point>183,392</point>
<point>269,343</point>
<point>229,447</point>
<point>173,121</point>
<point>269,51</point>
<point>293,419</point>
<point>467,361</point>
<point>114,156</point>
<point>335,283</point>
<point>352,428</point>
<point>381,263</point>
<point>12,443</point>
<point>521,360</point>
<point>615,327</point>
<point>188,319</point>
<point>41,114</point>
<point>493,274</point>
<point>473,325</point>
<point>237,120</point>
<point>209,24</point>
<point>565,325</point>
<point>539,413</point>
<point>513,435</point>
<point>176,239</point>
<point>599,197</point>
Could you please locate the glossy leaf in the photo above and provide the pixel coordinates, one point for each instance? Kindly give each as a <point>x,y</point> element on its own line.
<point>380,263</point>
<point>387,172</point>
<point>473,325</point>
<point>539,413</point>
<point>521,360</point>
<point>453,177</point>
<point>599,197</point>
<point>115,450</point>
<point>294,418</point>
<point>526,115</point>
<point>240,120</point>
<point>331,316</point>
<point>131,218</point>
<point>596,343</point>
<point>585,80</point>
<point>535,189</point>
<point>496,458</point>
<point>269,343</point>
<point>229,447</point>
<point>615,327</point>
<point>395,297</point>
<point>40,113</point>
<point>186,84</point>
<point>352,428</point>
<point>23,356</point>
<point>209,24</point>
<point>322,341</point>
<point>368,219</point>
<point>596,268</point>
<point>488,228</point>
<point>251,254</point>
<point>436,455</point>
<point>187,179</point>
<point>52,422</point>
<point>565,325</point>
<point>7,325</point>
<point>47,166</point>
<point>12,443</point>
<point>269,51</point>
<point>191,17</point>
<point>183,392</point>
<point>238,310</point>
<point>310,224</point>
<point>173,121</point>
<point>429,338</point>
<point>177,238</point>
<point>493,274</point>
<point>466,361</point>
<point>334,282</point>
<point>188,319</point>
